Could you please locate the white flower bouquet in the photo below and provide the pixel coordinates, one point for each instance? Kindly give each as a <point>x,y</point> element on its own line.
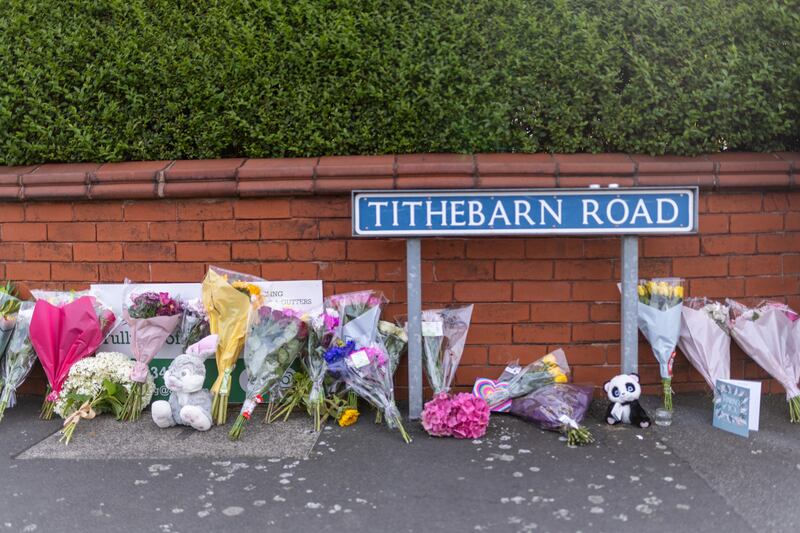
<point>97,385</point>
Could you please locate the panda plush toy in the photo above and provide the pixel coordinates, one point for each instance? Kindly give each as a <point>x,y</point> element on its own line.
<point>623,391</point>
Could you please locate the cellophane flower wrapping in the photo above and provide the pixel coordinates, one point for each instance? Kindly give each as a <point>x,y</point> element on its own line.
<point>97,385</point>
<point>552,368</point>
<point>152,318</point>
<point>366,371</point>
<point>65,328</point>
<point>194,325</point>
<point>766,333</point>
<point>705,338</point>
<point>9,307</point>
<point>275,339</point>
<point>444,333</point>
<point>227,298</point>
<point>358,313</point>
<point>321,327</point>
<point>395,339</point>
<point>19,359</point>
<point>659,318</point>
<point>557,407</point>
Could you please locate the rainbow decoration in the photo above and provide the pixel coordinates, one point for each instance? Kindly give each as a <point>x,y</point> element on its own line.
<point>485,388</point>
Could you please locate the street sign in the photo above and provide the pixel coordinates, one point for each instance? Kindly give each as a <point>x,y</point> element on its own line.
<point>612,211</point>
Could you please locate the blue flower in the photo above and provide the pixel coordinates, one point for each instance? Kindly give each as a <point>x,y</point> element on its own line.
<point>337,353</point>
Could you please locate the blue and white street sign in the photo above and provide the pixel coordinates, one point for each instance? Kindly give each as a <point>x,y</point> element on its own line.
<point>525,212</point>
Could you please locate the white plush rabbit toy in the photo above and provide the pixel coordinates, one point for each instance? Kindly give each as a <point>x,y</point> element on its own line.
<point>189,404</point>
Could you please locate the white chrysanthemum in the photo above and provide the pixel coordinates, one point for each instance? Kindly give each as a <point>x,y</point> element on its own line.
<point>87,375</point>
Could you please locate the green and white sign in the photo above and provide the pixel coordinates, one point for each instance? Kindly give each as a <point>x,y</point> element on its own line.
<point>298,295</point>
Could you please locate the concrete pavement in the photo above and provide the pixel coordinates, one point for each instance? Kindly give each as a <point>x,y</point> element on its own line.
<point>688,477</point>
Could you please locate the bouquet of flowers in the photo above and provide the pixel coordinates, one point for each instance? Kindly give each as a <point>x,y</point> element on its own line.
<point>358,314</point>
<point>65,328</point>
<point>765,333</point>
<point>659,314</point>
<point>9,305</point>
<point>444,333</point>
<point>557,407</point>
<point>152,317</point>
<point>227,299</point>
<point>395,339</point>
<point>274,340</point>
<point>194,325</point>
<point>365,371</point>
<point>705,338</point>
<point>518,381</point>
<point>320,336</point>
<point>97,385</point>
<point>19,358</point>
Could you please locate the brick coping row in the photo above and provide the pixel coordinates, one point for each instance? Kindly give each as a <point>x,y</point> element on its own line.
<point>342,174</point>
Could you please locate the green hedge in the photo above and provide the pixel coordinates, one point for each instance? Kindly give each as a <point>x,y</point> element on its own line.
<point>108,80</point>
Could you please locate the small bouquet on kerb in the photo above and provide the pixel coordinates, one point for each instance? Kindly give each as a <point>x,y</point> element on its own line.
<point>65,328</point>
<point>705,338</point>
<point>557,407</point>
<point>463,416</point>
<point>152,317</point>
<point>395,339</point>
<point>274,340</point>
<point>320,336</point>
<point>358,315</point>
<point>228,297</point>
<point>659,317</point>
<point>516,380</point>
<point>9,305</point>
<point>767,333</point>
<point>97,385</point>
<point>365,371</point>
<point>19,358</point>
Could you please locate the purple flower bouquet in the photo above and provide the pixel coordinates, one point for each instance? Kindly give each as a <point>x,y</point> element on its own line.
<point>557,407</point>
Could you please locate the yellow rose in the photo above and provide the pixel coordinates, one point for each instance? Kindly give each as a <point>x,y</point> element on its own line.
<point>554,371</point>
<point>549,359</point>
<point>642,290</point>
<point>679,292</point>
<point>561,378</point>
<point>348,418</point>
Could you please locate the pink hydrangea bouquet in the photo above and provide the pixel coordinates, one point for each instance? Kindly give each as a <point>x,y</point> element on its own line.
<point>464,416</point>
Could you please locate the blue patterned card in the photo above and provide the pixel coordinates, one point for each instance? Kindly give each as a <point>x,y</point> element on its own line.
<point>737,405</point>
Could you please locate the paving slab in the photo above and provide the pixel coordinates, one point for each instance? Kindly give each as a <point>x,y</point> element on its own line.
<point>106,438</point>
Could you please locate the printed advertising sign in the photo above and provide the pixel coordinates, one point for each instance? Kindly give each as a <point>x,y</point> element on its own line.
<point>299,295</point>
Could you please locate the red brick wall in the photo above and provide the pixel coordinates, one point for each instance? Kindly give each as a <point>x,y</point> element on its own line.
<point>531,295</point>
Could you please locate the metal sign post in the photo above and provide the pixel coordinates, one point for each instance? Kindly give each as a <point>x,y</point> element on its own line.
<point>414,292</point>
<point>627,212</point>
<point>630,298</point>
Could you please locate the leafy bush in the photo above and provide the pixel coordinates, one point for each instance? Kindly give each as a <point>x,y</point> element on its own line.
<point>108,80</point>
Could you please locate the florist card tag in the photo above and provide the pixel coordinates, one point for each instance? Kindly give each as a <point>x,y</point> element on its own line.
<point>736,406</point>
<point>359,359</point>
<point>432,329</point>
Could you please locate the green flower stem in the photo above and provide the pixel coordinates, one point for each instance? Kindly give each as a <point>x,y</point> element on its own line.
<point>667,387</point>
<point>133,403</point>
<point>794,410</point>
